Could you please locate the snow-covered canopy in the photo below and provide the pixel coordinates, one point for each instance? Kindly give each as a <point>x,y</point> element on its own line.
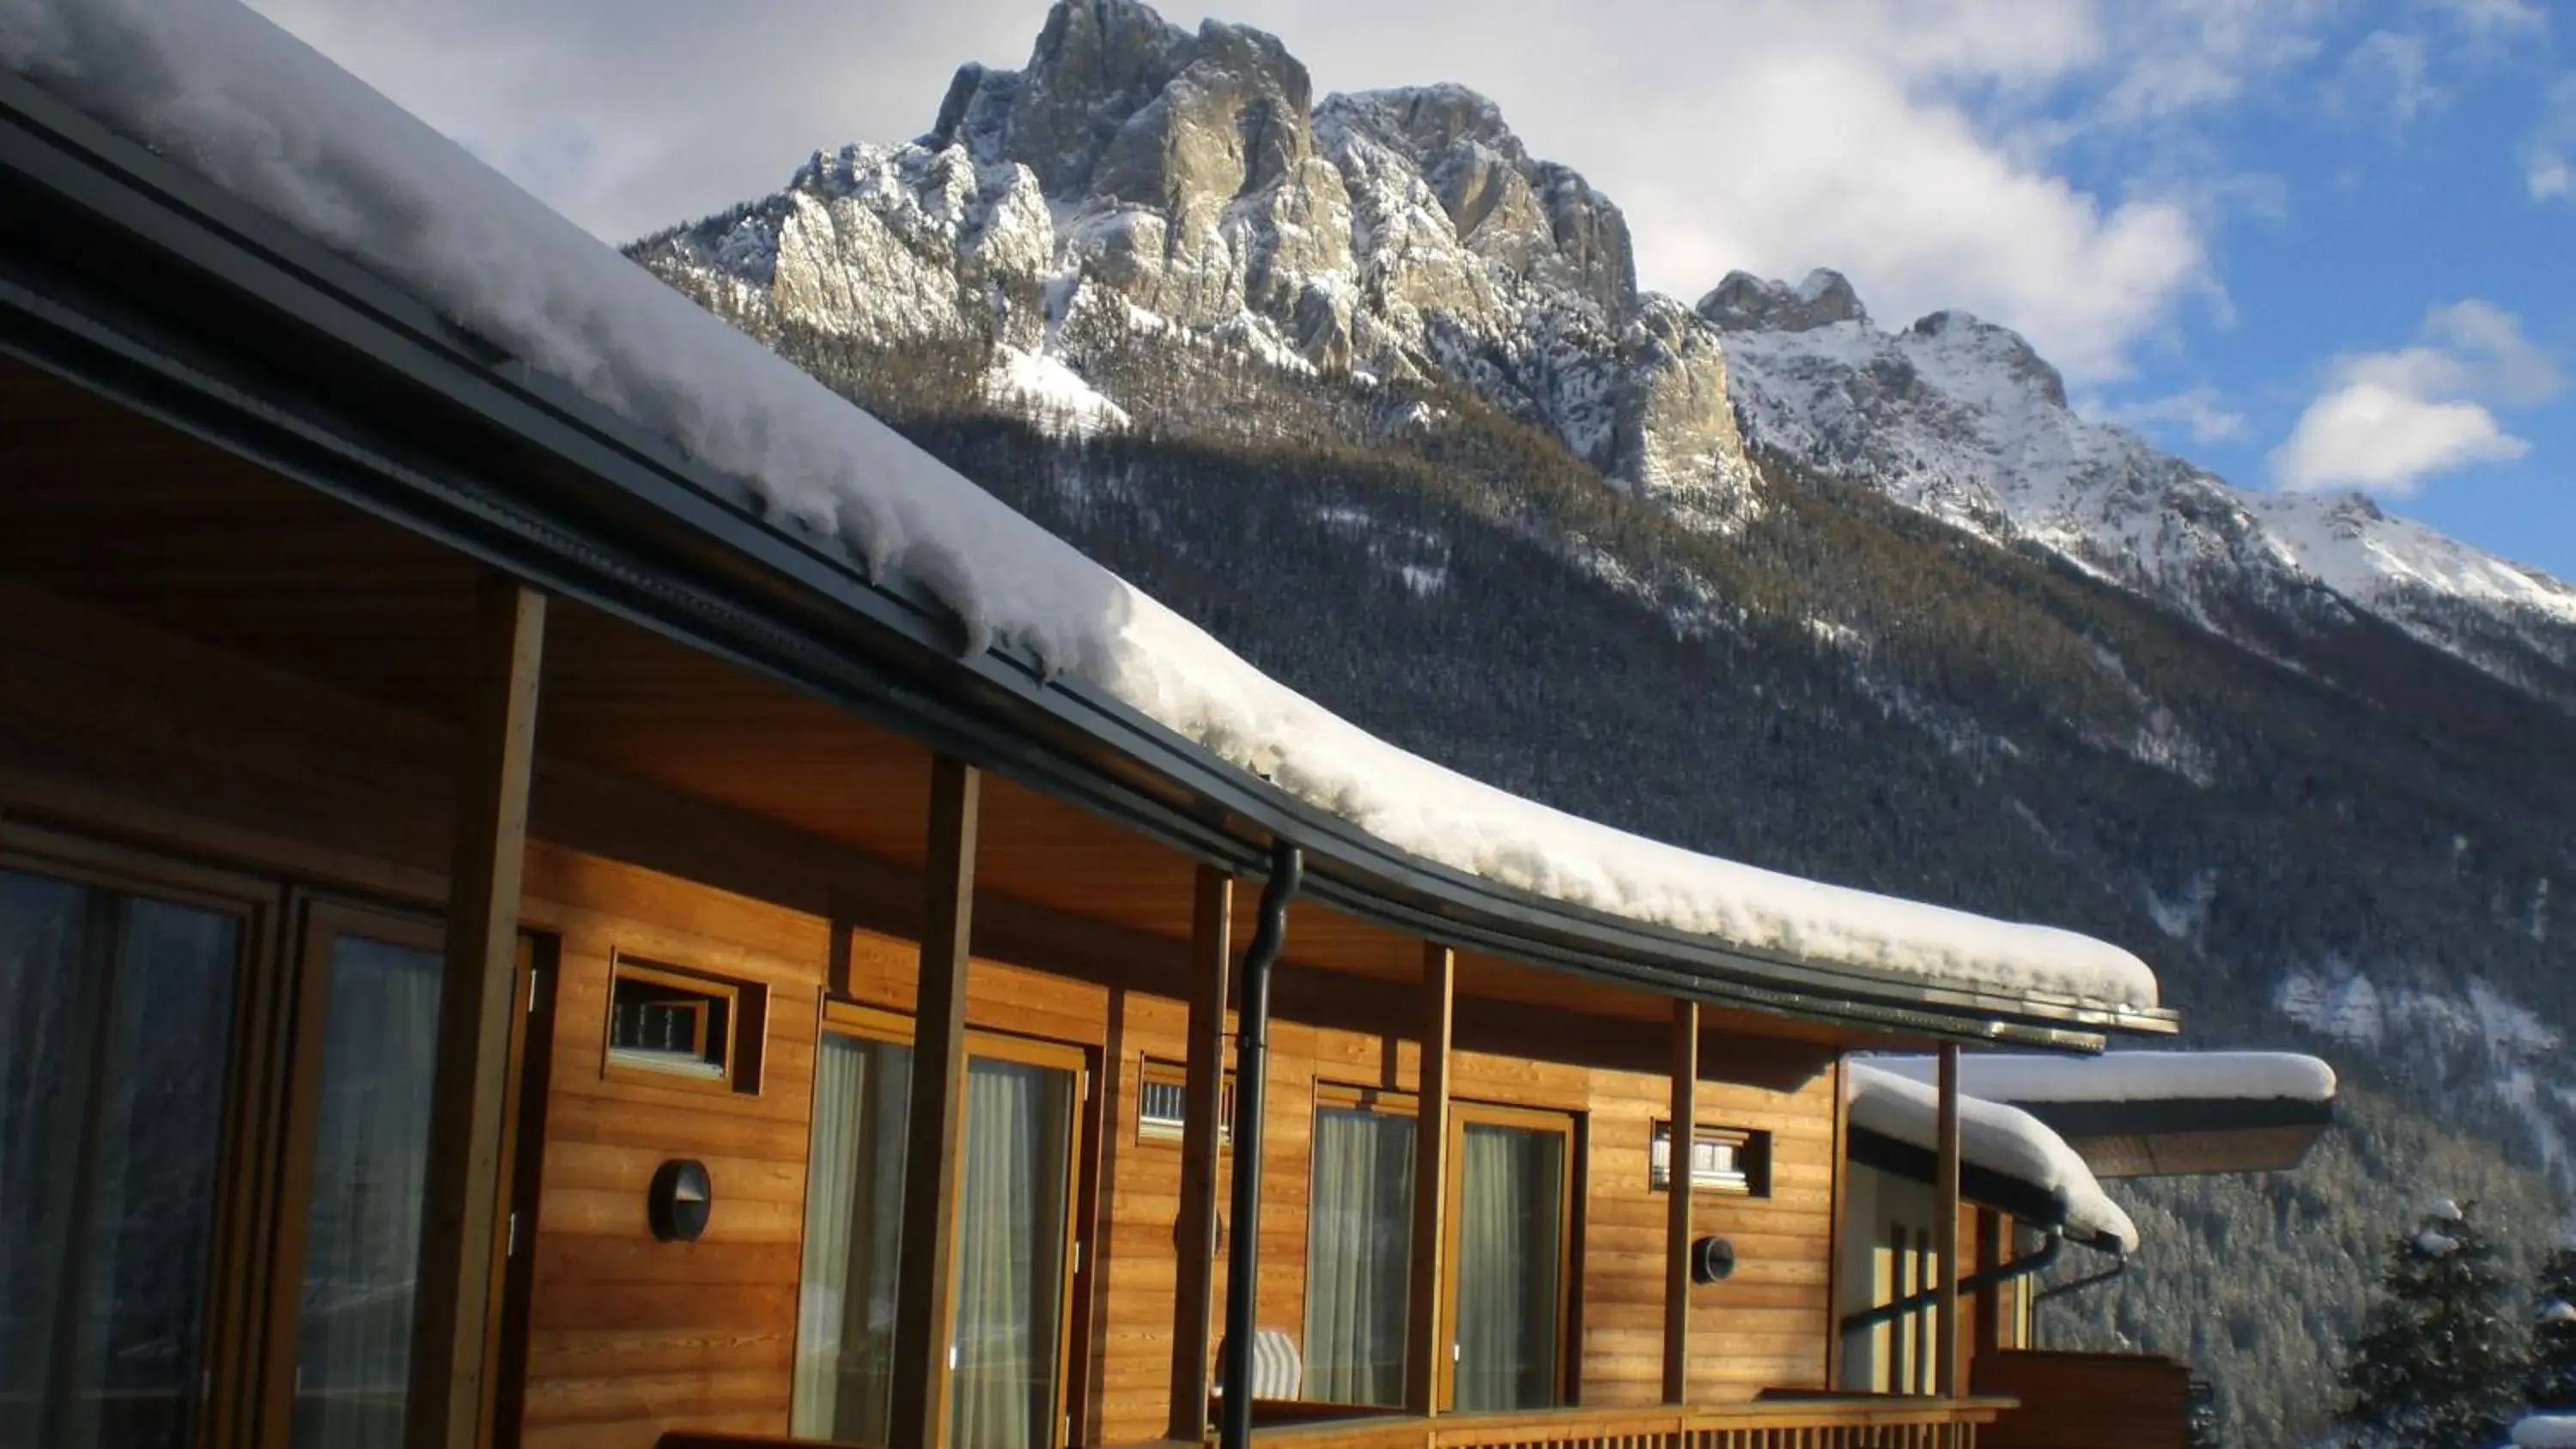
<point>1995,1137</point>
<point>2546,1431</point>
<point>2144,1076</point>
<point>221,91</point>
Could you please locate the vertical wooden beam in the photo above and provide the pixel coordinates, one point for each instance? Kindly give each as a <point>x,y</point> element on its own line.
<point>466,1187</point>
<point>1945,1226</point>
<point>1989,1307</point>
<point>1426,1341</point>
<point>1194,1297</point>
<point>1677,1202</point>
<point>925,1311</point>
<point>1837,1230</point>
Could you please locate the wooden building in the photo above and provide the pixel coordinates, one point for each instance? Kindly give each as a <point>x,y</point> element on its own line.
<point>507,941</point>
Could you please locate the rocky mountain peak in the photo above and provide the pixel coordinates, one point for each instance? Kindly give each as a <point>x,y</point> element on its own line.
<point>1743,302</point>
<point>1540,220</point>
<point>2005,348</point>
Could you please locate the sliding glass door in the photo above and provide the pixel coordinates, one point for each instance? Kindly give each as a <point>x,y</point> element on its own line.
<point>853,1216</point>
<point>1359,1251</point>
<point>1511,1207</point>
<point>369,1046</point>
<point>1014,1192</point>
<point>1010,1272</point>
<point>116,1048</point>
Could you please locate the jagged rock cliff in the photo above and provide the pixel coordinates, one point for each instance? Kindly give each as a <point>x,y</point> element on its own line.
<point>1135,176</point>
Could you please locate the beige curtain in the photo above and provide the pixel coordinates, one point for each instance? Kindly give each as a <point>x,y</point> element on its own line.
<point>1010,1269</point>
<point>362,1231</point>
<point>113,1056</point>
<point>1510,1233</point>
<point>853,1223</point>
<point>1359,1250</point>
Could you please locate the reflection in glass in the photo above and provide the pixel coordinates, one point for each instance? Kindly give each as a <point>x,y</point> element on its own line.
<point>362,1231</point>
<point>114,1049</point>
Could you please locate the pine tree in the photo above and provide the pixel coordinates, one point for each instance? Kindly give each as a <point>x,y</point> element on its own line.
<point>2552,1384</point>
<point>2438,1366</point>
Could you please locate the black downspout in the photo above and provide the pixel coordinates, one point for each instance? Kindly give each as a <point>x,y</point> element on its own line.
<point>1251,1078</point>
<point>2021,1267</point>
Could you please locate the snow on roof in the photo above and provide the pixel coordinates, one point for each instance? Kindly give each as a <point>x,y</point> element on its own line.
<point>2130,1076</point>
<point>225,93</point>
<point>1995,1137</point>
<point>2546,1431</point>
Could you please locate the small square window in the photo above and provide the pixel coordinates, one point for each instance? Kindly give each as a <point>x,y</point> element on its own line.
<point>676,1023</point>
<point>1723,1159</point>
<point>1162,1103</point>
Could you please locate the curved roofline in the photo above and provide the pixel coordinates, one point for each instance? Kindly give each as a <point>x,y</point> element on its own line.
<point>617,518</point>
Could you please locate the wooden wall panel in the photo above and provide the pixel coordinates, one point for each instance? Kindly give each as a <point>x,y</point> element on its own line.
<point>630,1336</point>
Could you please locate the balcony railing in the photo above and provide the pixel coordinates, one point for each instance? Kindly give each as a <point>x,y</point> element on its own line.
<point>1781,1421</point>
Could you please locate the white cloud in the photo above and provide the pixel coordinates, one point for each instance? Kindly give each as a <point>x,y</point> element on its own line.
<point>1914,144</point>
<point>2390,421</point>
<point>2388,71</point>
<point>2199,412</point>
<point>2549,153</point>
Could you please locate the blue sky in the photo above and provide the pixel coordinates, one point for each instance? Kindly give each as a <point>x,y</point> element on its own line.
<point>2305,243</point>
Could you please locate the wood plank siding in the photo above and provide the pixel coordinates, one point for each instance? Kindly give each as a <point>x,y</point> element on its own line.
<point>274,685</point>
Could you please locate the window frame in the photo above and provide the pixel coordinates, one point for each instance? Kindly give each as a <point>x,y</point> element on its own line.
<point>872,1023</point>
<point>1569,1128</point>
<point>746,1028</point>
<point>236,1290</point>
<point>1752,1146</point>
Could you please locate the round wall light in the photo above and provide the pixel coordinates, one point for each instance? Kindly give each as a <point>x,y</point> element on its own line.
<point>1712,1260</point>
<point>680,1200</point>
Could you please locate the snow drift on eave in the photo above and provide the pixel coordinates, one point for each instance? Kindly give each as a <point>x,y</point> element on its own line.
<point>1998,1138</point>
<point>2131,1076</point>
<point>2546,1431</point>
<point>224,92</point>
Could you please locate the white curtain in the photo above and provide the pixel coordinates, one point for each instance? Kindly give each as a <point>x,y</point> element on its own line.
<point>362,1231</point>
<point>1511,1196</point>
<point>113,1057</point>
<point>1359,1251</point>
<point>853,1224</point>
<point>1010,1270</point>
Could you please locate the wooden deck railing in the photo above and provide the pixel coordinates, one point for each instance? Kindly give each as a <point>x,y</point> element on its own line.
<point>1779,1422</point>
<point>2086,1400</point>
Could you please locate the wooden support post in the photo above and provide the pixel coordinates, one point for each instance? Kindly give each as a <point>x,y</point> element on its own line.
<point>1677,1202</point>
<point>1836,1227</point>
<point>1988,1311</point>
<point>925,1312</point>
<point>1426,1341</point>
<point>1203,1118</point>
<point>1945,1227</point>
<point>466,1182</point>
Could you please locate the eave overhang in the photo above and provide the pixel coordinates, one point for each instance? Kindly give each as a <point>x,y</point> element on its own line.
<point>127,274</point>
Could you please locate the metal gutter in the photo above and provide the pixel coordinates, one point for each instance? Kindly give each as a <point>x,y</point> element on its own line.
<point>597,511</point>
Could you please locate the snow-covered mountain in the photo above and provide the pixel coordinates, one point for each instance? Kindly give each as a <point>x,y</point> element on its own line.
<point>1138,179</point>
<point>1962,419</point>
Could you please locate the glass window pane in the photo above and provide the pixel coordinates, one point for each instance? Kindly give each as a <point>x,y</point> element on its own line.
<point>362,1229</point>
<point>1009,1281</point>
<point>1510,1244</point>
<point>114,1055</point>
<point>853,1226</point>
<point>1359,1253</point>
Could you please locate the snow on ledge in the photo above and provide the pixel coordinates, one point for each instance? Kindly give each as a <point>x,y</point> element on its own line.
<point>2145,1076</point>
<point>1995,1137</point>
<point>225,93</point>
<point>2546,1431</point>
